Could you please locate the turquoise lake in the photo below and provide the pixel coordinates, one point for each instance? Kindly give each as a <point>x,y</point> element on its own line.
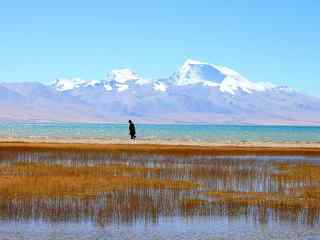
<point>205,133</point>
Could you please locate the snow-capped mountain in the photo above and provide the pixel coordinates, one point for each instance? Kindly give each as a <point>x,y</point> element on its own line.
<point>191,73</point>
<point>226,79</point>
<point>196,92</point>
<point>122,79</point>
<point>65,84</point>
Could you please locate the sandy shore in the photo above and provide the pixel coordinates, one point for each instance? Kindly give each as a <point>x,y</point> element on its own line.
<point>162,147</point>
<point>161,142</point>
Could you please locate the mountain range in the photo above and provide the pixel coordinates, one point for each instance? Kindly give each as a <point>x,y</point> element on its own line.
<point>197,92</point>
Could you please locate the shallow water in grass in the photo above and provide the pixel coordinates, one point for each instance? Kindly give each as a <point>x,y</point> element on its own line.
<point>144,209</point>
<point>167,228</point>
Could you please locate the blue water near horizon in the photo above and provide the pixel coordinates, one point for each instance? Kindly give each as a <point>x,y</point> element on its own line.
<point>179,132</point>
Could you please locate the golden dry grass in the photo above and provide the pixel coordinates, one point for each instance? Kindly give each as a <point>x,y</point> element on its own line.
<point>162,149</point>
<point>41,180</point>
<point>123,185</point>
<point>297,193</point>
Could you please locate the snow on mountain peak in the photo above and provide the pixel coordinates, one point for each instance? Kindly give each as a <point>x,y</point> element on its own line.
<point>228,71</point>
<point>123,75</point>
<point>226,79</point>
<point>64,84</point>
<point>231,85</point>
<point>160,86</point>
<point>120,79</point>
<point>192,72</point>
<point>195,72</point>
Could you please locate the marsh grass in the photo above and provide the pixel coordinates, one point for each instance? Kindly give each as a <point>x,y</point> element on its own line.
<point>120,186</point>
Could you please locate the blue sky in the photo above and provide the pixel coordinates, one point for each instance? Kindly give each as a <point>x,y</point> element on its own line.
<point>276,41</point>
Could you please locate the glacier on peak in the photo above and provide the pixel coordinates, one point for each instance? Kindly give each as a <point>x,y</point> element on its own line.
<point>195,72</point>
<point>122,76</point>
<point>160,86</point>
<point>65,84</point>
<point>121,79</point>
<point>192,72</point>
<point>226,79</point>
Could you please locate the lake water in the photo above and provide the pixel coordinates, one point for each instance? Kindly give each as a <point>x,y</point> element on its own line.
<point>173,229</point>
<point>197,133</point>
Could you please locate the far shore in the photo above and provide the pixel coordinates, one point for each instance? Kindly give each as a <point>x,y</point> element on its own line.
<point>162,147</point>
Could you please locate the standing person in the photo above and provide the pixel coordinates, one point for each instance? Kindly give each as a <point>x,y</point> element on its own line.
<point>132,130</point>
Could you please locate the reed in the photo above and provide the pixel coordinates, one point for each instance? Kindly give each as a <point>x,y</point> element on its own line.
<point>41,180</point>
<point>123,186</point>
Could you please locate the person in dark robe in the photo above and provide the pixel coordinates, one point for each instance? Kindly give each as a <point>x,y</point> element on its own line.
<point>132,130</point>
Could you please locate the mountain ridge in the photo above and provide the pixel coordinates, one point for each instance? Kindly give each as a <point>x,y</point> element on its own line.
<point>197,92</point>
